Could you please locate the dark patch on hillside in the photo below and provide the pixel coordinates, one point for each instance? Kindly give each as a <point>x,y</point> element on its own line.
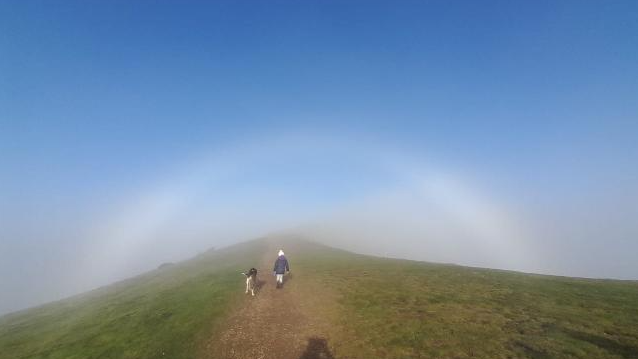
<point>608,344</point>
<point>165,265</point>
<point>317,349</point>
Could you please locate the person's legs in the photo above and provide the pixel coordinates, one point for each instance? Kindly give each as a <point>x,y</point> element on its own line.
<point>280,280</point>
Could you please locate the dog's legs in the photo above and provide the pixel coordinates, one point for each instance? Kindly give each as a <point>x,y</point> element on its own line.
<point>247,284</point>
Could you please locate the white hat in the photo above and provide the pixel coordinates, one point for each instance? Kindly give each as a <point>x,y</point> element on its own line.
<point>281,252</point>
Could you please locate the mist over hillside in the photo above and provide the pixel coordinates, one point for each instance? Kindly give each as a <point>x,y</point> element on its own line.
<point>407,208</point>
<point>499,135</point>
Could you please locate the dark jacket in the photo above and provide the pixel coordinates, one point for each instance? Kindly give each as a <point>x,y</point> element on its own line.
<point>281,265</point>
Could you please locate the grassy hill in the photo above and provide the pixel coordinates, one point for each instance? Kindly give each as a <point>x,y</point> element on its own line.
<point>164,313</point>
<point>389,308</point>
<point>379,308</point>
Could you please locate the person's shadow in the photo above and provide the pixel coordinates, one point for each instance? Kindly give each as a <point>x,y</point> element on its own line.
<point>317,349</point>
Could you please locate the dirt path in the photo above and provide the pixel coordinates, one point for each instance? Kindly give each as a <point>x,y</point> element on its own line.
<point>276,323</point>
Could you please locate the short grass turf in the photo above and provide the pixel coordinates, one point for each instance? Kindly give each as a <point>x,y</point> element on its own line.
<point>391,308</point>
<point>380,308</point>
<point>166,313</point>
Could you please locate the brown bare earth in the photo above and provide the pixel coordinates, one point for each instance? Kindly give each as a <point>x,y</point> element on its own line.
<point>283,323</point>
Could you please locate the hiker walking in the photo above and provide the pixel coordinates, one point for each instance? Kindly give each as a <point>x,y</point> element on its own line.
<point>281,267</point>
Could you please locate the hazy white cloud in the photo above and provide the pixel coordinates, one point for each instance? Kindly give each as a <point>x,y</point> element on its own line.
<point>438,218</point>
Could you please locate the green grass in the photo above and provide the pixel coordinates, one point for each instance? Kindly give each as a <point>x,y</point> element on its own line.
<point>379,308</point>
<point>165,313</point>
<point>391,308</point>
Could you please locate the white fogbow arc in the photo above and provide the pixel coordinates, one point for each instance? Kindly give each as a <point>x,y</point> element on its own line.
<point>438,207</point>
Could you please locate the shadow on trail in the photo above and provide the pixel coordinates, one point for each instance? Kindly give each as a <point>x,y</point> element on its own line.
<point>317,349</point>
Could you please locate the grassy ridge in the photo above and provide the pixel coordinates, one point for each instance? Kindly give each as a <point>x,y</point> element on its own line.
<point>379,308</point>
<point>404,309</point>
<point>164,313</point>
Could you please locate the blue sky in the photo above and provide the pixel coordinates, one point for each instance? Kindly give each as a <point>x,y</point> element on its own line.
<point>533,102</point>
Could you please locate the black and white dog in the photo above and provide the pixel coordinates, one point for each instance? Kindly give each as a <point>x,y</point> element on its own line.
<point>251,280</point>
